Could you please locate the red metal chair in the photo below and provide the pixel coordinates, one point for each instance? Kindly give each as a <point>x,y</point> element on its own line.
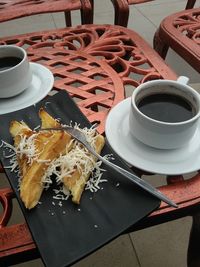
<point>20,8</point>
<point>122,9</point>
<point>180,32</point>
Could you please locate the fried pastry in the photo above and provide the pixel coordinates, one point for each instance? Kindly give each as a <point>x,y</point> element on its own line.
<point>81,167</point>
<point>19,131</point>
<point>78,162</point>
<point>37,152</point>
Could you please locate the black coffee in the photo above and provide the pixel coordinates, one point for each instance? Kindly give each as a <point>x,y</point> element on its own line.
<point>166,107</point>
<point>9,62</point>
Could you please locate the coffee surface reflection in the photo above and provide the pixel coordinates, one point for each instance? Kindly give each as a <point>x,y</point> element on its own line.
<point>9,62</point>
<point>166,107</point>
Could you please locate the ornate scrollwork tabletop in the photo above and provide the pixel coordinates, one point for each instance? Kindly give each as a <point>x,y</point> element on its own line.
<point>78,56</point>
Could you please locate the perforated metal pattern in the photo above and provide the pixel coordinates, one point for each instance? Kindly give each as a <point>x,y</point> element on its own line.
<point>78,56</point>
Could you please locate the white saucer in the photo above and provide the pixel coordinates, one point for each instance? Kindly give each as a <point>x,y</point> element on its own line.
<point>172,162</point>
<point>42,83</point>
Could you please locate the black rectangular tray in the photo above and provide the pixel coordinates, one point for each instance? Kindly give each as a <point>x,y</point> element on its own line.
<point>65,234</point>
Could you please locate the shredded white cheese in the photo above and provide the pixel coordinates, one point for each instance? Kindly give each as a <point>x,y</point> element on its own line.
<point>65,165</point>
<point>79,159</point>
<point>27,147</point>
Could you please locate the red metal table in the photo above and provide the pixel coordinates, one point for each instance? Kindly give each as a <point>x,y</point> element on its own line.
<point>94,63</point>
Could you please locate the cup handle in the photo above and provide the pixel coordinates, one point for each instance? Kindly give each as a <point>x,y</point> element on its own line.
<point>183,80</point>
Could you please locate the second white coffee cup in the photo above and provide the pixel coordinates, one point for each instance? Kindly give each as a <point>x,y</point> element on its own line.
<point>161,134</point>
<point>15,71</point>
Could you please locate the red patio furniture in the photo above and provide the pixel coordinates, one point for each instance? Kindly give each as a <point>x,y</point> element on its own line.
<point>122,9</point>
<point>86,59</point>
<point>180,32</point>
<point>21,8</point>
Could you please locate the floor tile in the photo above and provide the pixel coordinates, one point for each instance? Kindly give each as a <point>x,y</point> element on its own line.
<point>27,24</point>
<point>141,24</point>
<point>161,2</point>
<point>118,253</point>
<point>181,67</point>
<point>102,6</point>
<point>35,263</point>
<point>155,13</point>
<point>103,14</point>
<point>163,245</point>
<point>59,19</point>
<point>107,17</point>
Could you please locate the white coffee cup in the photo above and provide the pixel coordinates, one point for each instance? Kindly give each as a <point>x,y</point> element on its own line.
<point>15,71</point>
<point>161,134</point>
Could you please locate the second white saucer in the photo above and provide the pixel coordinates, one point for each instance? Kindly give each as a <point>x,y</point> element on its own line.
<point>161,161</point>
<point>42,83</point>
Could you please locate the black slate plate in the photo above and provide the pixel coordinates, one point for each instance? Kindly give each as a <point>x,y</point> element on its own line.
<point>68,233</point>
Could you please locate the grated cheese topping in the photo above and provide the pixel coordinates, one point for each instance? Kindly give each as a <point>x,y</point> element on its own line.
<point>65,165</point>
<point>27,147</point>
<point>78,158</point>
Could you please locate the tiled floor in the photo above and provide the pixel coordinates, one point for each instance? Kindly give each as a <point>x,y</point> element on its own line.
<point>160,246</point>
